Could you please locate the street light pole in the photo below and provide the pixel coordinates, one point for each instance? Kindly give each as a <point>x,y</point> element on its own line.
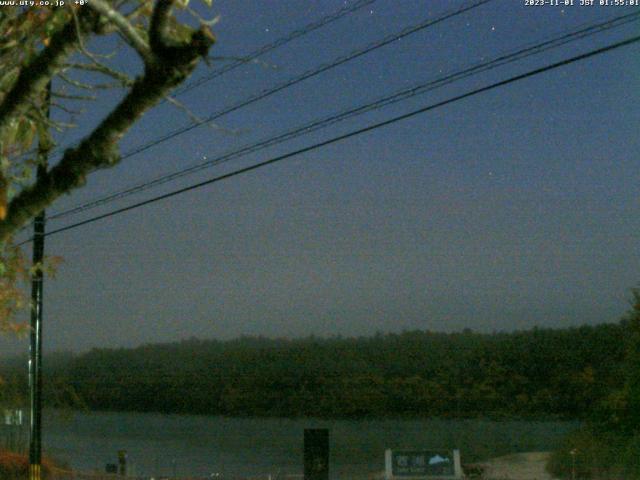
<point>35,346</point>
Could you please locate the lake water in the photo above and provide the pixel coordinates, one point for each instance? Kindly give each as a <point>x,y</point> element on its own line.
<point>191,445</point>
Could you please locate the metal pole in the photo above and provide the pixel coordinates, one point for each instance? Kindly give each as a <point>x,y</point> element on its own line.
<point>35,346</point>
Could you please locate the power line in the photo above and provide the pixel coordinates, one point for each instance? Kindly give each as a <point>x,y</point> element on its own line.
<point>401,95</point>
<point>277,44</point>
<point>237,62</point>
<point>309,74</point>
<point>353,133</point>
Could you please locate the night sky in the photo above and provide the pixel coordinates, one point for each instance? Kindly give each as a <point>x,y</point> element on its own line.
<point>511,209</point>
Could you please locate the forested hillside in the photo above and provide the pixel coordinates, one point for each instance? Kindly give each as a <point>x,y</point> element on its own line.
<point>607,446</point>
<point>540,372</point>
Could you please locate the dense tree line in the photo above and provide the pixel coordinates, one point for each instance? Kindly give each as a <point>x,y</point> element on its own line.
<point>540,372</point>
<point>607,447</point>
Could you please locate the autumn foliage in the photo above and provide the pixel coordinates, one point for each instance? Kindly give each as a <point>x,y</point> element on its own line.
<point>48,73</point>
<point>15,466</point>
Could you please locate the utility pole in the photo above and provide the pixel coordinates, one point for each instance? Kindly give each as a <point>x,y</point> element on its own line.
<point>35,346</point>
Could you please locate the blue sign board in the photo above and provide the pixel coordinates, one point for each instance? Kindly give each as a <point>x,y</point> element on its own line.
<point>422,463</point>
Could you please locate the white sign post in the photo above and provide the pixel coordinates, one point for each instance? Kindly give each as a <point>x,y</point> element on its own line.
<point>13,417</point>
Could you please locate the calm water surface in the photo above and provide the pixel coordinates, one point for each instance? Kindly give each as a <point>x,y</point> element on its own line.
<point>191,445</point>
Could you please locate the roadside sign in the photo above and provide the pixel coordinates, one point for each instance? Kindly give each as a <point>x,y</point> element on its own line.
<point>418,464</point>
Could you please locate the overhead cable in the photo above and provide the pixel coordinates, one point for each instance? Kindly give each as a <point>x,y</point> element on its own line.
<point>351,134</point>
<point>421,88</point>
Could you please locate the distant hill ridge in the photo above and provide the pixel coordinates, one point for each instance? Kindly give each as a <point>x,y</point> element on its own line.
<point>538,372</point>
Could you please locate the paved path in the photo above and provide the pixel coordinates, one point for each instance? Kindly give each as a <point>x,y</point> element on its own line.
<point>518,466</point>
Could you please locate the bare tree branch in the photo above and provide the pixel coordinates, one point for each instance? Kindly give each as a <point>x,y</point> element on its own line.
<point>34,77</point>
<point>131,36</point>
<point>136,11</point>
<point>203,21</point>
<point>196,119</point>
<point>91,56</point>
<point>98,67</point>
<point>75,83</point>
<point>66,109</point>
<point>90,86</point>
<point>158,26</point>
<point>68,96</point>
<point>172,63</point>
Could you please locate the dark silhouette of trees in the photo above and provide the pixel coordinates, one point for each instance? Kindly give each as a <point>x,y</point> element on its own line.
<point>541,372</point>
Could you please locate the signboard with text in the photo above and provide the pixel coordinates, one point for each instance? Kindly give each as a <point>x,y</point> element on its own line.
<point>423,464</point>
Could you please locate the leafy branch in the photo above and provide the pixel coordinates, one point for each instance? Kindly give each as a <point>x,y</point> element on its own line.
<point>168,60</point>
